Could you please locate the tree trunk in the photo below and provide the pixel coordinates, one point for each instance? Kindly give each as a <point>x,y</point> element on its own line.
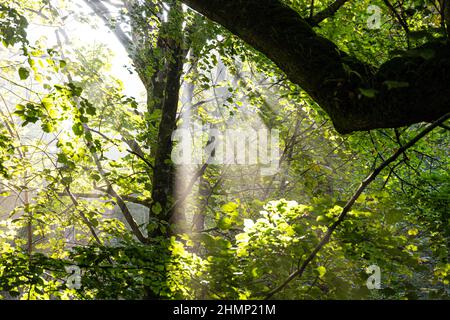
<point>164,172</point>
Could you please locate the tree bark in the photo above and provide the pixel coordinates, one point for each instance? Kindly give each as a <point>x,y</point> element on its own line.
<point>164,172</point>
<point>338,82</point>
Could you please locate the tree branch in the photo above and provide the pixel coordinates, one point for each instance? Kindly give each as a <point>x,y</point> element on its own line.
<point>99,195</point>
<point>135,149</point>
<point>103,13</point>
<point>335,80</point>
<point>117,198</point>
<point>83,216</point>
<point>397,16</point>
<point>326,13</point>
<point>182,197</point>
<point>369,179</point>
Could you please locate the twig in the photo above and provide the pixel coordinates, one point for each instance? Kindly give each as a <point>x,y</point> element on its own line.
<point>326,13</point>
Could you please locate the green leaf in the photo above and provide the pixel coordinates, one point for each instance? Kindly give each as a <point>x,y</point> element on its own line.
<point>225,223</point>
<point>395,84</point>
<point>321,270</point>
<point>229,207</point>
<point>66,181</point>
<point>156,209</point>
<point>24,73</point>
<point>77,128</point>
<point>90,110</point>
<point>370,93</point>
<point>62,158</point>
<point>47,127</point>
<point>96,177</point>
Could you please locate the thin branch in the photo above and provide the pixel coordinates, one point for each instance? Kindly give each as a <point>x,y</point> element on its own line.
<point>120,201</point>
<point>188,189</point>
<point>369,179</point>
<point>39,13</point>
<point>103,13</point>
<point>397,16</point>
<point>135,149</point>
<point>311,9</point>
<point>83,216</point>
<point>326,13</point>
<point>99,196</point>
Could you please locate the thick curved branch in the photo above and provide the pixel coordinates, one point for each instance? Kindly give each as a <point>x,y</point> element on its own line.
<point>337,82</point>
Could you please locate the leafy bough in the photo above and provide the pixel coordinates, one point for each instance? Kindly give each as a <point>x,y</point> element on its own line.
<point>364,184</point>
